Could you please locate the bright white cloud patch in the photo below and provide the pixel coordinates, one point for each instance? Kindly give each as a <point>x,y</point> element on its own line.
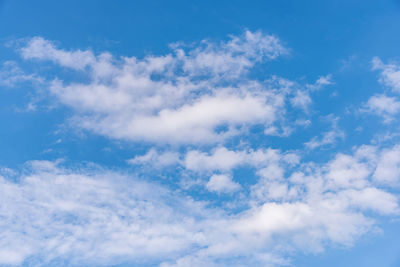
<point>39,48</point>
<point>382,104</point>
<point>190,104</point>
<point>222,183</point>
<point>168,98</point>
<point>388,170</point>
<point>222,159</point>
<point>390,74</point>
<point>156,159</point>
<point>95,216</point>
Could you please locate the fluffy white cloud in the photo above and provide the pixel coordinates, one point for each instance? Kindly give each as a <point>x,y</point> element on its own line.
<point>222,159</point>
<point>388,168</point>
<point>222,183</point>
<point>194,95</point>
<point>94,216</point>
<point>390,74</point>
<point>39,48</point>
<point>156,159</point>
<point>384,106</point>
<point>198,94</point>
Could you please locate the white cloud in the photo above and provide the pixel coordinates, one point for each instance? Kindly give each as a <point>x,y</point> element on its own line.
<point>320,83</point>
<point>182,97</point>
<point>301,100</point>
<point>371,198</point>
<point>92,216</point>
<point>199,95</point>
<point>41,49</point>
<point>384,106</point>
<point>222,183</point>
<point>95,216</point>
<point>327,138</point>
<point>11,75</point>
<point>222,159</point>
<point>388,168</point>
<point>156,159</point>
<point>345,171</point>
<point>390,74</point>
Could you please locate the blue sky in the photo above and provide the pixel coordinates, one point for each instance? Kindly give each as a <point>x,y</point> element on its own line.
<point>236,133</point>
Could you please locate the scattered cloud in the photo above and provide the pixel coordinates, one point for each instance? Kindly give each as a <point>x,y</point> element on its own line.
<point>384,106</point>
<point>301,100</point>
<point>90,215</point>
<point>327,138</point>
<point>156,159</point>
<point>222,183</point>
<point>11,75</point>
<point>390,74</point>
<point>165,99</point>
<point>222,159</point>
<point>199,96</point>
<point>320,83</point>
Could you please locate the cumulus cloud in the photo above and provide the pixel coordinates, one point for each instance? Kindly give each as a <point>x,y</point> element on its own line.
<point>197,89</point>
<point>156,159</point>
<point>90,215</point>
<point>390,74</point>
<point>388,169</point>
<point>41,49</point>
<point>196,94</point>
<point>384,106</point>
<point>222,159</point>
<point>222,183</point>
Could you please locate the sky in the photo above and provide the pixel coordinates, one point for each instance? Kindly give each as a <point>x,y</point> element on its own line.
<point>200,133</point>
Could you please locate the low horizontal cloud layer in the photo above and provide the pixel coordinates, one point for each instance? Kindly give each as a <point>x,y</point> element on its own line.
<point>91,215</point>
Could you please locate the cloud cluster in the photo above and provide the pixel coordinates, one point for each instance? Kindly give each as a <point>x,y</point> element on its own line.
<point>167,98</point>
<point>382,104</point>
<point>186,104</point>
<point>92,215</point>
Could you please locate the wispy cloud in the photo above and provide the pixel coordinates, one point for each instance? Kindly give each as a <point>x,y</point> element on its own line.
<point>327,138</point>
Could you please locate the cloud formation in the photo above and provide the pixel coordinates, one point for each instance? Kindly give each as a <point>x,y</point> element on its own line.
<point>168,98</point>
<point>90,215</point>
<point>185,105</point>
<point>385,105</point>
